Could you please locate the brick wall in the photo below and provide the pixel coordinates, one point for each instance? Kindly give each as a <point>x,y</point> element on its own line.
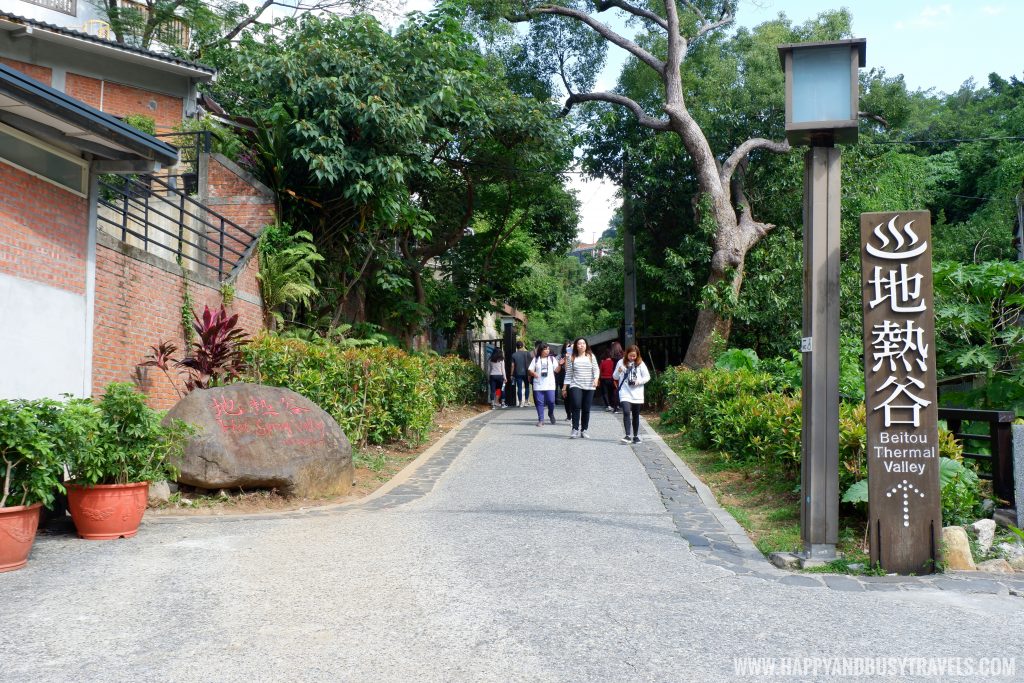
<point>121,100</point>
<point>84,89</point>
<point>42,231</point>
<point>139,296</point>
<point>240,198</point>
<point>43,74</point>
<point>138,305</point>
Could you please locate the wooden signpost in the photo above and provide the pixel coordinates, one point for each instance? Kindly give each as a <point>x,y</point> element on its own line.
<point>904,502</point>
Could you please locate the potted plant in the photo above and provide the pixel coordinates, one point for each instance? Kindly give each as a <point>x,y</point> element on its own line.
<point>34,435</point>
<point>110,477</point>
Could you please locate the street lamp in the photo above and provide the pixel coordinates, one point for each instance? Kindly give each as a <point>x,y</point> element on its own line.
<point>822,91</point>
<point>822,98</point>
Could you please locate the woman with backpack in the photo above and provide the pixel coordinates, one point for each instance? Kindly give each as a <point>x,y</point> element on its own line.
<point>582,376</point>
<point>631,374</point>
<point>543,370</point>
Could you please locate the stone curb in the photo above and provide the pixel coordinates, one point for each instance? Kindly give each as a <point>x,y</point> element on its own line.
<point>469,427</point>
<point>744,559</point>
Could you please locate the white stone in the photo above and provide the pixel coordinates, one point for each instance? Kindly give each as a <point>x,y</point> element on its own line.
<point>159,492</point>
<point>996,567</point>
<point>1017,563</point>
<point>1011,550</point>
<point>986,530</point>
<point>956,550</point>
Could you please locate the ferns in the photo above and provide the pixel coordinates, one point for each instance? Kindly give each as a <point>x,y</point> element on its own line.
<point>287,276</point>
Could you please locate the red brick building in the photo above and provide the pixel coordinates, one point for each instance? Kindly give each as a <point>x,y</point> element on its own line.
<point>94,267</point>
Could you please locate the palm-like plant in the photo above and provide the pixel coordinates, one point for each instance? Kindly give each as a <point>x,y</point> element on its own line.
<point>287,277</point>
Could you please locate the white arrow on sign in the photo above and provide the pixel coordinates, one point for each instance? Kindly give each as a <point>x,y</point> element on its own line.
<point>906,487</point>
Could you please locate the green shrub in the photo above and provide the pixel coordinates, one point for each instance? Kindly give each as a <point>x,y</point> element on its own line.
<point>376,394</point>
<point>129,442</point>
<point>695,398</point>
<point>35,438</point>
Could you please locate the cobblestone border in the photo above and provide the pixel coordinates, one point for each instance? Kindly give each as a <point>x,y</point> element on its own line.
<point>717,538</point>
<point>414,481</point>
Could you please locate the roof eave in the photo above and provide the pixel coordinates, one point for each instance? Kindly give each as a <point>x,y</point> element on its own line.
<point>127,55</point>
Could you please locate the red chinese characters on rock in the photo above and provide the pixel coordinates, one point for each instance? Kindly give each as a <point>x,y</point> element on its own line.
<point>262,419</point>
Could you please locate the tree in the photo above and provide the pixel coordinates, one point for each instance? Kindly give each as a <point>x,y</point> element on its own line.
<point>211,23</point>
<point>673,28</point>
<point>389,149</point>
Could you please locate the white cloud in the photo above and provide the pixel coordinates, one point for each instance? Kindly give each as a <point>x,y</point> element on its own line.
<point>993,10</point>
<point>932,16</point>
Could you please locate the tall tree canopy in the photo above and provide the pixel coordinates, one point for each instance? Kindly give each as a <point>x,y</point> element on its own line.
<point>394,150</point>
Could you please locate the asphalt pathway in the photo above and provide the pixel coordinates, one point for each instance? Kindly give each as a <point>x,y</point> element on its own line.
<point>513,554</point>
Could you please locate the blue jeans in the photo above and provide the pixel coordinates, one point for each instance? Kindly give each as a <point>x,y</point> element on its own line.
<point>522,389</point>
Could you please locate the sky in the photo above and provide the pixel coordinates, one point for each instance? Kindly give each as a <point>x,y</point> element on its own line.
<point>933,44</point>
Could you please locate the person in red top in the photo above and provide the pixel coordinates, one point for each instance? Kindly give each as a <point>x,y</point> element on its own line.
<point>611,397</point>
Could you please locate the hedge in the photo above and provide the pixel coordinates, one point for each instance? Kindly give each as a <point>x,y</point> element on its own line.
<point>376,394</point>
<point>754,418</point>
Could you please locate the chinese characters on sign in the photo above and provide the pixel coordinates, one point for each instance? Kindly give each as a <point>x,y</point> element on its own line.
<point>62,6</point>
<point>260,418</point>
<point>904,509</point>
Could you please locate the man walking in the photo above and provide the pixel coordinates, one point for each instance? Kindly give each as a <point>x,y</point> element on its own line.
<point>520,364</point>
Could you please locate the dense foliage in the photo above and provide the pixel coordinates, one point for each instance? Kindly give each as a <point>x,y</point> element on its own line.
<point>404,155</point>
<point>376,394</point>
<point>754,418</point>
<point>36,437</point>
<point>126,442</point>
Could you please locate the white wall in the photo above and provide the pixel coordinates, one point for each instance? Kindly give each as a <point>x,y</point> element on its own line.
<point>42,340</point>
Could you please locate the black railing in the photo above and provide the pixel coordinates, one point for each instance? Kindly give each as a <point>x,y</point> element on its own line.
<point>191,146</point>
<point>168,222</point>
<point>664,351</point>
<point>997,464</point>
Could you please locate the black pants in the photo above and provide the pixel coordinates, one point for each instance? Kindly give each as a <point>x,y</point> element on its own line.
<point>631,417</point>
<point>609,394</point>
<point>497,382</point>
<point>581,400</point>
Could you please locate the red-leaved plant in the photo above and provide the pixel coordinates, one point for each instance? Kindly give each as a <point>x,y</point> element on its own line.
<point>213,358</point>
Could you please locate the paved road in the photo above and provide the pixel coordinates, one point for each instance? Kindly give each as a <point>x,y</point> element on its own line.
<point>531,558</point>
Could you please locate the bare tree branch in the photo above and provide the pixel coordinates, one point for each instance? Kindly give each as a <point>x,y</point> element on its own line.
<point>644,118</point>
<point>706,25</point>
<point>603,30</point>
<point>603,5</point>
<point>873,117</point>
<point>746,148</point>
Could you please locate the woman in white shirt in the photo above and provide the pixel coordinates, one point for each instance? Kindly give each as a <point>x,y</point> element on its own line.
<point>631,374</point>
<point>498,378</point>
<point>582,376</point>
<point>543,369</point>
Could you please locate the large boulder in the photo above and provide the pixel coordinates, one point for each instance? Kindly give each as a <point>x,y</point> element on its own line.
<point>255,436</point>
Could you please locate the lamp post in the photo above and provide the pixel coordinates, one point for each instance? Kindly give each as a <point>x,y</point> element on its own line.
<point>822,98</point>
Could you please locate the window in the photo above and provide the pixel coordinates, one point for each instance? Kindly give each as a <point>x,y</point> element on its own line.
<point>43,161</point>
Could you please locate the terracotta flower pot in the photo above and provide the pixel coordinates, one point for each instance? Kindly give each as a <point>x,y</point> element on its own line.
<point>17,533</point>
<point>107,511</point>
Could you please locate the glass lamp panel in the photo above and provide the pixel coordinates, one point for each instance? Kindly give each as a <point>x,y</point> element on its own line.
<point>821,84</point>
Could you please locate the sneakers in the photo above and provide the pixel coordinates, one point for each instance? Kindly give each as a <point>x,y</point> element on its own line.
<point>575,434</point>
<point>636,439</point>
<point>626,439</point>
<point>607,409</point>
<point>552,418</point>
<point>540,423</point>
<point>584,435</point>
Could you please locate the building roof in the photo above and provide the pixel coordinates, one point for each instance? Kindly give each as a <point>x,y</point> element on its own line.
<point>59,34</point>
<point>37,109</point>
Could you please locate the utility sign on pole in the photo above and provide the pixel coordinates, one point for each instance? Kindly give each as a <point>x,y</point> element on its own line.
<point>904,502</point>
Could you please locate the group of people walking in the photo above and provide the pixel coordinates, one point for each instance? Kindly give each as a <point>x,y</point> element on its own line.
<point>576,374</point>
